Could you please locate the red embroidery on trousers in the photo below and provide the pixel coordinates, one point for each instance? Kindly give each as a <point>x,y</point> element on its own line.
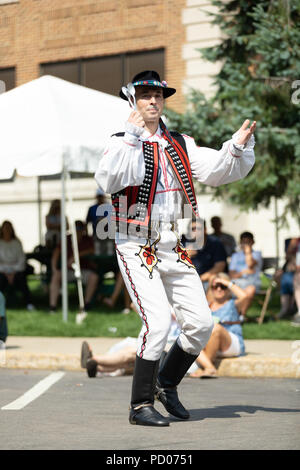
<point>138,302</point>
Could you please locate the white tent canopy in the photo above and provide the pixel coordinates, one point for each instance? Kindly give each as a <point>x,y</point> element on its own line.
<point>49,123</point>
<point>51,126</point>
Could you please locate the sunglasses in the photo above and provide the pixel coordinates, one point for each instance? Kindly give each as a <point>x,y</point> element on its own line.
<point>218,285</point>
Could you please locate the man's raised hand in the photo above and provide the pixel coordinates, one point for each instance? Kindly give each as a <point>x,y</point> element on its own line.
<point>136,119</point>
<point>244,133</point>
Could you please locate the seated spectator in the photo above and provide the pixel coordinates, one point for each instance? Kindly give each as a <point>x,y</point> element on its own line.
<point>89,277</point>
<point>245,268</point>
<point>92,217</point>
<point>13,263</point>
<point>227,337</point>
<point>53,224</point>
<point>103,246</point>
<point>286,276</point>
<point>209,260</point>
<point>296,318</point>
<point>228,240</point>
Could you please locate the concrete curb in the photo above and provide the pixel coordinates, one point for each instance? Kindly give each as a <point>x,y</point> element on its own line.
<point>269,358</point>
<point>265,366</point>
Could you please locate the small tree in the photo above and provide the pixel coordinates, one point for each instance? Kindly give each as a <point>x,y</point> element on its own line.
<point>258,80</point>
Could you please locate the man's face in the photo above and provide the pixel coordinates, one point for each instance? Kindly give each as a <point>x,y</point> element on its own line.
<point>246,241</point>
<point>216,223</point>
<point>149,103</point>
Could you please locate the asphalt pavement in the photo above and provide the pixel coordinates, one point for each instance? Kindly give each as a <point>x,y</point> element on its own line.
<point>76,412</point>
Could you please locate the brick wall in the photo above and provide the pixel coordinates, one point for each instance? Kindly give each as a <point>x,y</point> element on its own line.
<point>41,31</point>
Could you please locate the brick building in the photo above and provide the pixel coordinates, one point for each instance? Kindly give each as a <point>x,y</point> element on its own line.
<point>103,43</point>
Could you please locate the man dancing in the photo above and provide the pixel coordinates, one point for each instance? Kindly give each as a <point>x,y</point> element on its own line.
<point>148,171</point>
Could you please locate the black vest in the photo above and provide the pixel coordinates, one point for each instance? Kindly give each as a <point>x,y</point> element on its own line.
<point>132,205</point>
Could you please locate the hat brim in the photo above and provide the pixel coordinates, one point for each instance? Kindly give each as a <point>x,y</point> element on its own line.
<point>167,92</point>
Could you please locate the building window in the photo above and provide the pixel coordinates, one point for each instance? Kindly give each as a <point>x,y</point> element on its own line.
<point>107,73</point>
<point>7,79</point>
<point>103,74</point>
<point>139,61</point>
<point>66,70</point>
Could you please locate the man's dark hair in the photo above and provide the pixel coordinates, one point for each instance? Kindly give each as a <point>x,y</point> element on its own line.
<point>247,235</point>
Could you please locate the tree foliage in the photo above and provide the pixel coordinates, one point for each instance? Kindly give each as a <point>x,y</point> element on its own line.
<point>260,57</point>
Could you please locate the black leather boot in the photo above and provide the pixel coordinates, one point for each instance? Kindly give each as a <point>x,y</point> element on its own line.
<point>177,362</point>
<point>142,411</point>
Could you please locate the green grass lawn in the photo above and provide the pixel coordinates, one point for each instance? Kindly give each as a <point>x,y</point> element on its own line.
<point>111,323</point>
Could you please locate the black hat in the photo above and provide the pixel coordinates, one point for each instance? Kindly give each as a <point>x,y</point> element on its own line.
<point>150,78</point>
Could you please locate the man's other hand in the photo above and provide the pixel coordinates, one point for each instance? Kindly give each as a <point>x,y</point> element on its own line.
<point>245,132</point>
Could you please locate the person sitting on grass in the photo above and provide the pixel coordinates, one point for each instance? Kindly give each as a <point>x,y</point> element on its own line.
<point>227,337</point>
<point>286,279</point>
<point>13,264</point>
<point>208,260</point>
<point>90,278</point>
<point>245,268</point>
<point>225,238</point>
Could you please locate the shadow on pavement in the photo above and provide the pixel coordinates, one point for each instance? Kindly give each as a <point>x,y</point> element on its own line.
<point>232,411</point>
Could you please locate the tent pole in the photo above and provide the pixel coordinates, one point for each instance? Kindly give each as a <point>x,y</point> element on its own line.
<point>39,215</point>
<point>76,265</point>
<point>64,246</point>
<point>39,208</point>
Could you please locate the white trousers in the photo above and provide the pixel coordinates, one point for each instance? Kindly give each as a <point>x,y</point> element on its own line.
<point>158,277</point>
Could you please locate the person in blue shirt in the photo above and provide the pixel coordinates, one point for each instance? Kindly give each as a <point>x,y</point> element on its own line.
<point>227,337</point>
<point>92,217</point>
<point>211,258</point>
<point>245,268</point>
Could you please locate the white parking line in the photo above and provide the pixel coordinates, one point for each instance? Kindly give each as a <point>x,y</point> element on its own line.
<point>40,388</point>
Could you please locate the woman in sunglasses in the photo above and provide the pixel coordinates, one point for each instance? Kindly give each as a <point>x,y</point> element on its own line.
<point>227,337</point>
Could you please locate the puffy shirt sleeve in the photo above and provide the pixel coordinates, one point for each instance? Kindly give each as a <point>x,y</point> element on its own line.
<point>122,163</point>
<point>216,167</point>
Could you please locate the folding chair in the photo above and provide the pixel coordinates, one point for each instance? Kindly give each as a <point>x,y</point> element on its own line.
<point>268,264</point>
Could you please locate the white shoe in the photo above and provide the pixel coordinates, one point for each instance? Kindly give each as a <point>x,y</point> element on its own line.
<point>80,317</point>
<point>125,311</point>
<point>30,307</point>
<point>296,320</point>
